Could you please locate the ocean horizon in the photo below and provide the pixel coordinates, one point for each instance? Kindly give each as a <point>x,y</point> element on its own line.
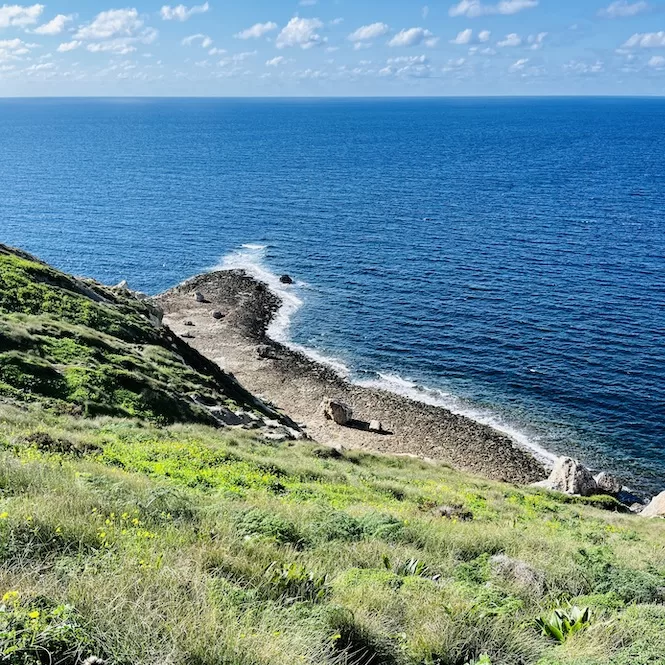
<point>501,257</point>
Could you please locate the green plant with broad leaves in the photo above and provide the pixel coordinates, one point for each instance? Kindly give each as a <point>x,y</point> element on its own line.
<point>564,622</point>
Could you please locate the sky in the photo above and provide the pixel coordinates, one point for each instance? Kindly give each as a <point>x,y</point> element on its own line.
<point>333,48</point>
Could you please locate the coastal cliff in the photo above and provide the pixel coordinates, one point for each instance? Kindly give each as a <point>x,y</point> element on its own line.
<point>171,493</point>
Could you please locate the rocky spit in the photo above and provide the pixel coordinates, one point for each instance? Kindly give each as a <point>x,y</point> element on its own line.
<point>378,420</point>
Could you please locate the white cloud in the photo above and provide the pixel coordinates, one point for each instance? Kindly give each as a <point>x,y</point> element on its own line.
<point>19,16</point>
<point>518,65</point>
<point>300,32</point>
<point>624,8</point>
<point>257,31</point>
<point>536,41</point>
<point>646,40</point>
<point>513,39</point>
<point>276,62</point>
<point>113,23</point>
<point>463,37</point>
<point>119,46</point>
<point>425,11</point>
<point>217,51</point>
<point>475,8</point>
<point>657,62</point>
<point>206,42</point>
<point>368,32</point>
<point>69,46</point>
<point>484,36</point>
<point>414,37</point>
<point>580,67</point>
<point>182,13</point>
<point>415,66</point>
<point>54,26</point>
<point>13,49</point>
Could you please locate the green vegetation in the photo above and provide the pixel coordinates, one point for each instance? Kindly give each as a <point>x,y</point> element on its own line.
<point>142,535</point>
<point>140,543</point>
<point>78,347</point>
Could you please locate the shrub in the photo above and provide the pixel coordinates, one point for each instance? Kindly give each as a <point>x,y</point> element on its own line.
<point>294,583</point>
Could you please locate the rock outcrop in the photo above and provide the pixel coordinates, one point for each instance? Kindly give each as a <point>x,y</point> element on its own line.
<point>336,411</point>
<point>286,279</point>
<point>608,484</point>
<point>570,477</point>
<point>656,508</point>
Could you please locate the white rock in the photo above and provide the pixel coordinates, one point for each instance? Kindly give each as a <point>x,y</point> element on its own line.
<point>607,483</point>
<point>375,426</point>
<point>656,508</point>
<point>570,477</point>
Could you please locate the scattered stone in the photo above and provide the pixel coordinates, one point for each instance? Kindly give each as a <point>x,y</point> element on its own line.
<point>656,508</point>
<point>608,484</point>
<point>217,315</point>
<point>636,507</point>
<point>188,335</point>
<point>569,477</point>
<point>328,452</point>
<point>199,297</point>
<point>189,324</point>
<point>454,512</point>
<point>93,660</point>
<point>338,412</point>
<point>517,571</point>
<point>266,352</point>
<point>376,426</point>
<point>286,279</point>
<point>122,286</point>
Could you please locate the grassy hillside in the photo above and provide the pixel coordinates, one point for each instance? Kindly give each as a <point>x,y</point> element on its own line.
<point>133,531</point>
<point>76,346</point>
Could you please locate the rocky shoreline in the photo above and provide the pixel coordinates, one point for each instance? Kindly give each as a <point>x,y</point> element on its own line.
<point>226,314</point>
<point>228,323</point>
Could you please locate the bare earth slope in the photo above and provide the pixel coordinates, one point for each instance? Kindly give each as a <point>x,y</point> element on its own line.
<point>297,385</point>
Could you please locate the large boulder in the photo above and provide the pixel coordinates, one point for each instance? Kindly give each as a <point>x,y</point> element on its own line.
<point>656,508</point>
<point>608,484</point>
<point>570,477</point>
<point>336,411</point>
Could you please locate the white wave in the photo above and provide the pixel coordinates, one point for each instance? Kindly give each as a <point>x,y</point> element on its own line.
<point>434,397</point>
<point>251,259</point>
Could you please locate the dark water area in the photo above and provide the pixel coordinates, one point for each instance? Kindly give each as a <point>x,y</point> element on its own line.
<point>502,257</point>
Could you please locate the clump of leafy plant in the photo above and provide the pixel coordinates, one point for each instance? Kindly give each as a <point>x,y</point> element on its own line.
<point>294,583</point>
<point>38,632</point>
<point>564,622</point>
<point>411,567</point>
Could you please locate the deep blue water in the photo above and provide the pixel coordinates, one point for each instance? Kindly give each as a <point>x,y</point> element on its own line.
<point>508,255</point>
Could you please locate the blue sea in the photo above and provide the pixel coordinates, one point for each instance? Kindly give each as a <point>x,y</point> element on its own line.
<point>501,257</point>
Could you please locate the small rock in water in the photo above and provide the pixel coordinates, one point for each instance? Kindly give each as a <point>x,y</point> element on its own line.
<point>217,315</point>
<point>199,297</point>
<point>286,279</point>
<point>338,412</point>
<point>375,426</point>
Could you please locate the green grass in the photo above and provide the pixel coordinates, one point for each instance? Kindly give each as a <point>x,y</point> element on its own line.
<point>82,348</point>
<point>185,544</point>
<point>132,530</point>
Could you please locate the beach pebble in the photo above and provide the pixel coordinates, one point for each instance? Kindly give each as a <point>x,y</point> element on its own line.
<point>375,426</point>
<point>286,279</point>
<point>189,324</point>
<point>217,315</point>
<point>199,297</point>
<point>338,412</point>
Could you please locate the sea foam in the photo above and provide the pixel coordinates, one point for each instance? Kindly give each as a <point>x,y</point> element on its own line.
<point>251,258</point>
